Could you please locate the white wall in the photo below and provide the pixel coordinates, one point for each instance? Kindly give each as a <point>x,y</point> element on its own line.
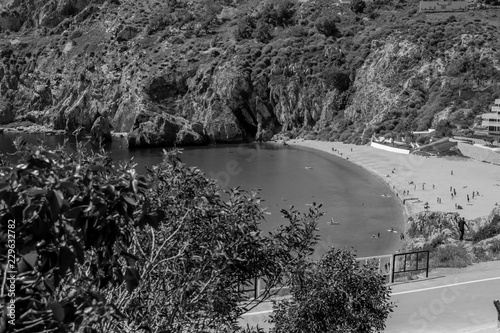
<point>443,6</point>
<point>388,148</point>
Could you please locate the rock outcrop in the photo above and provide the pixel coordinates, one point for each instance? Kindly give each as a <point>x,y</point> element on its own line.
<point>65,63</point>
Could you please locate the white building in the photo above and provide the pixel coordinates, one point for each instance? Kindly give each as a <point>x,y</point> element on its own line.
<point>492,120</point>
<point>443,6</point>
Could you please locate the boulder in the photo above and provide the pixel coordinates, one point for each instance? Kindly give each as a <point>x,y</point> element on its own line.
<point>101,130</point>
<point>7,114</point>
<point>127,33</point>
<point>188,137</point>
<point>154,131</point>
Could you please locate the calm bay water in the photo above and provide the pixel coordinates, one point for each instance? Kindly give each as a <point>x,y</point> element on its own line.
<point>287,176</point>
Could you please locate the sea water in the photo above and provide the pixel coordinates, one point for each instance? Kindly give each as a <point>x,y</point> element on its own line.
<point>360,203</point>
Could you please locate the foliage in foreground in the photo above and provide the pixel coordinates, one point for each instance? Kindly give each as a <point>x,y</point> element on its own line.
<point>335,295</point>
<point>101,248</point>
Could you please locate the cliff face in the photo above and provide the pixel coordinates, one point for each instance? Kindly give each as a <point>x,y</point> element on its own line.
<point>434,230</point>
<point>181,72</point>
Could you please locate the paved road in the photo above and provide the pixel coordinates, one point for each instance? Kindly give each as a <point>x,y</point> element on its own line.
<point>460,302</point>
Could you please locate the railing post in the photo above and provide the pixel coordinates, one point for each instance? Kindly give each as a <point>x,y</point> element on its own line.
<point>392,268</point>
<point>427,266</point>
<point>256,286</point>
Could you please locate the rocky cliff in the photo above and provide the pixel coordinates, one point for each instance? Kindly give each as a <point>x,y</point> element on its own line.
<point>192,72</point>
<point>437,230</point>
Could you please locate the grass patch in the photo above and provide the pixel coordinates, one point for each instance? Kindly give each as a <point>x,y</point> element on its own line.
<point>451,256</point>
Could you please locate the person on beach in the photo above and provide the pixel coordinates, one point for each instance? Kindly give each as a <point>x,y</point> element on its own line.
<point>461,228</point>
<point>454,192</point>
<point>452,172</point>
<point>467,198</point>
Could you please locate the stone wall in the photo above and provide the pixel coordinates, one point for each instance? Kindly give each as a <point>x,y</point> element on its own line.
<point>479,153</point>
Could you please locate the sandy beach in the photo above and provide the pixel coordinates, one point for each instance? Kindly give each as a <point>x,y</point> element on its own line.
<point>417,179</point>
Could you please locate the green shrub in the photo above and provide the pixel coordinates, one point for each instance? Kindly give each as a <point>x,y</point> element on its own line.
<point>262,32</point>
<point>95,250</point>
<point>358,6</point>
<point>451,256</point>
<point>244,28</point>
<point>327,26</point>
<point>336,78</point>
<point>438,240</point>
<point>487,231</point>
<point>494,247</point>
<point>279,13</point>
<point>479,254</point>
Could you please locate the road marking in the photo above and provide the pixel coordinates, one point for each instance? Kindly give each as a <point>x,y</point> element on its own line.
<point>445,286</point>
<point>401,292</point>
<point>480,329</point>
<point>256,313</point>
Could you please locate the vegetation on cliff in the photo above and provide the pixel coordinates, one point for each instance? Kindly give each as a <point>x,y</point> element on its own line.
<point>198,71</point>
<point>439,233</point>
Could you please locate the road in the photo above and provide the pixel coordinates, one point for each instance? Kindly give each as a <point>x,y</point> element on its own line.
<point>458,302</point>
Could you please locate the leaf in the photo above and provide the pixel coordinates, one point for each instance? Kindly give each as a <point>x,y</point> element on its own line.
<point>4,186</point>
<point>132,278</point>
<point>78,250</point>
<point>130,201</point>
<point>118,276</point>
<point>34,191</point>
<point>130,258</point>
<point>66,260</point>
<point>133,185</point>
<point>155,218</point>
<point>97,168</point>
<point>56,201</point>
<point>71,187</point>
<point>30,211</point>
<point>48,284</point>
<point>57,311</point>
<point>24,265</point>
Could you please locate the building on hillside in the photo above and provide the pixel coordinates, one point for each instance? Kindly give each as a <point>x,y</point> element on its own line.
<point>443,6</point>
<point>429,132</point>
<point>491,121</point>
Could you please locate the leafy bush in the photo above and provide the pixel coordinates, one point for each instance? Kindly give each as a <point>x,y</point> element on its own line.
<point>244,28</point>
<point>494,247</point>
<point>336,79</point>
<point>487,231</point>
<point>262,32</point>
<point>479,254</point>
<point>327,26</point>
<point>438,240</point>
<point>101,247</point>
<point>279,12</point>
<point>357,6</point>
<point>334,295</point>
<point>451,256</point>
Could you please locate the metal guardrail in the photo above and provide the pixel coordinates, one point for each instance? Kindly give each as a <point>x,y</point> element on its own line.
<point>383,263</point>
<point>410,262</point>
<point>388,266</point>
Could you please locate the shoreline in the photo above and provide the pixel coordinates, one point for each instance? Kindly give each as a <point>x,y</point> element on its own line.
<point>393,243</point>
<point>424,178</point>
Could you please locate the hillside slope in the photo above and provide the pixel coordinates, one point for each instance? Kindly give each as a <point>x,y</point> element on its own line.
<point>198,71</point>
